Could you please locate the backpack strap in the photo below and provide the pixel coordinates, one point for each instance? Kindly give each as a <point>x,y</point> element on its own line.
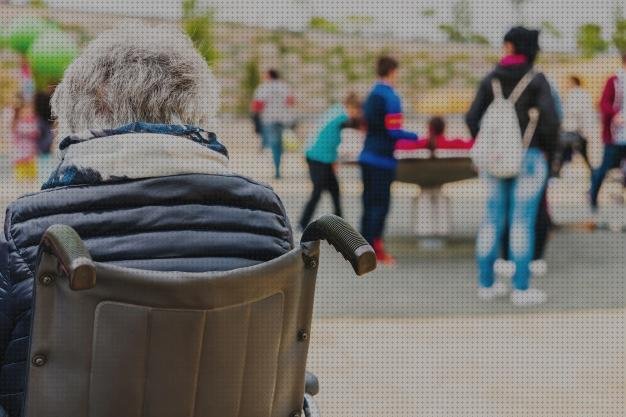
<point>521,86</point>
<point>496,88</point>
<point>533,120</point>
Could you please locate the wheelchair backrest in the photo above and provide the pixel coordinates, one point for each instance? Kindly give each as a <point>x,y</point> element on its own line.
<point>169,344</point>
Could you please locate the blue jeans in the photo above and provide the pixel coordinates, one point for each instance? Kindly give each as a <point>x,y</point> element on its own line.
<point>376,200</point>
<point>513,202</point>
<point>613,154</point>
<point>272,135</point>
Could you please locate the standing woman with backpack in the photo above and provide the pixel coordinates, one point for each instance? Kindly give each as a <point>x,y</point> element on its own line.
<point>515,123</point>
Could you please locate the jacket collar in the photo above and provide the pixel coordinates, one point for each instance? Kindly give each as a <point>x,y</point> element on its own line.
<point>196,134</point>
<point>137,150</point>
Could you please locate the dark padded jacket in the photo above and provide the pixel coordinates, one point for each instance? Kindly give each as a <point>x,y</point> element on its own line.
<point>538,94</point>
<point>191,222</point>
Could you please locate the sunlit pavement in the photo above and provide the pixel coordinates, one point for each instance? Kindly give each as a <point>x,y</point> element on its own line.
<point>502,365</point>
<point>413,339</point>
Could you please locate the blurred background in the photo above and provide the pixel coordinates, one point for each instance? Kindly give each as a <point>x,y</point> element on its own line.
<point>411,338</point>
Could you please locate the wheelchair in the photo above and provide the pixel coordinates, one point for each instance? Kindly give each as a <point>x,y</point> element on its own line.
<point>111,341</point>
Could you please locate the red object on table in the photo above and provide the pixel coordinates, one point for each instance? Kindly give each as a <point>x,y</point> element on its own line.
<point>441,142</point>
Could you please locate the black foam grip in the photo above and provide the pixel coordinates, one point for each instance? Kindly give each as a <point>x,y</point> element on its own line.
<point>344,239</point>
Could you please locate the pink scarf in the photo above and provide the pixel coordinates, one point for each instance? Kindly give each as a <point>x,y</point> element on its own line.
<point>511,60</point>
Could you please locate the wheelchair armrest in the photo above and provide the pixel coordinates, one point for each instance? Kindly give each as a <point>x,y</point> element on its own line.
<point>64,243</point>
<point>344,239</point>
<point>311,384</point>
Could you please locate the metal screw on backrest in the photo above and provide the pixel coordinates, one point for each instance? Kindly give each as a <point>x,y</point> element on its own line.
<point>295,414</point>
<point>39,360</point>
<point>302,335</point>
<point>46,279</point>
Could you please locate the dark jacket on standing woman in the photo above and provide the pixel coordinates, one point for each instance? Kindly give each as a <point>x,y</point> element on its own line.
<point>156,197</point>
<point>538,94</point>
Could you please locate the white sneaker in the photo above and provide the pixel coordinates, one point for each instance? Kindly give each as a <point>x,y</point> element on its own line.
<point>531,296</point>
<point>538,268</point>
<point>504,269</point>
<point>498,289</point>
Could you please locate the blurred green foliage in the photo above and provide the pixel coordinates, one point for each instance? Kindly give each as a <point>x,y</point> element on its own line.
<point>199,26</point>
<point>455,35</point>
<point>551,29</point>
<point>429,75</point>
<point>358,23</point>
<point>429,12</point>
<point>24,30</point>
<point>323,25</point>
<point>38,4</point>
<point>251,80</point>
<point>619,36</point>
<point>460,30</point>
<point>51,53</point>
<point>590,41</point>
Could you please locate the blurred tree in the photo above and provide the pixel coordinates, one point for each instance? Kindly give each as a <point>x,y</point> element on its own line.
<point>460,30</point>
<point>590,41</point>
<point>358,23</point>
<point>462,15</point>
<point>5,37</point>
<point>82,35</point>
<point>429,12</point>
<point>24,30</point>
<point>323,25</point>
<point>432,75</point>
<point>477,39</point>
<point>199,27</point>
<point>251,80</point>
<point>454,34</point>
<point>618,10</point>
<point>551,29</point>
<point>38,4</point>
<point>306,6</point>
<point>51,53</point>
<point>619,36</point>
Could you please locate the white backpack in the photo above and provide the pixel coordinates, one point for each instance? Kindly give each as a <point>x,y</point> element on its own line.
<point>500,147</point>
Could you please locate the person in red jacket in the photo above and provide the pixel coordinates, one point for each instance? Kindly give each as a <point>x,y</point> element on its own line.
<point>436,139</point>
<point>613,130</point>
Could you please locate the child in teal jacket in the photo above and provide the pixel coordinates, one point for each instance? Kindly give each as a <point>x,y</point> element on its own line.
<point>322,154</point>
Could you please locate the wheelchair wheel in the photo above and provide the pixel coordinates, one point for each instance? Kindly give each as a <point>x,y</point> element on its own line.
<point>310,407</point>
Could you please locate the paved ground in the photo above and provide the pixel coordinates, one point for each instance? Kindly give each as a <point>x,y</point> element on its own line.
<point>495,366</point>
<point>414,340</point>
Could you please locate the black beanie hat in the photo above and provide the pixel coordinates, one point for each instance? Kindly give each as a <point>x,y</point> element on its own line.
<point>526,41</point>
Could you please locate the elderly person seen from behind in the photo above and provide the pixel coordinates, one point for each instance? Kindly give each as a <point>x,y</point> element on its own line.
<point>141,178</point>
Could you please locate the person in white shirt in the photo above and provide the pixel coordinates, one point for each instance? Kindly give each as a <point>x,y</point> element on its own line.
<point>578,122</point>
<point>273,102</point>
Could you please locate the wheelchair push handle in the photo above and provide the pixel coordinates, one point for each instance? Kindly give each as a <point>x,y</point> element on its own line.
<point>344,239</point>
<point>65,244</point>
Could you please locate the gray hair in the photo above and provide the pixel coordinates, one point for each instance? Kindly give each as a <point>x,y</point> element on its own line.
<point>138,73</point>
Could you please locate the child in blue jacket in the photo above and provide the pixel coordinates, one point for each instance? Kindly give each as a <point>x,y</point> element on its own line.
<point>322,154</point>
<point>383,115</point>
